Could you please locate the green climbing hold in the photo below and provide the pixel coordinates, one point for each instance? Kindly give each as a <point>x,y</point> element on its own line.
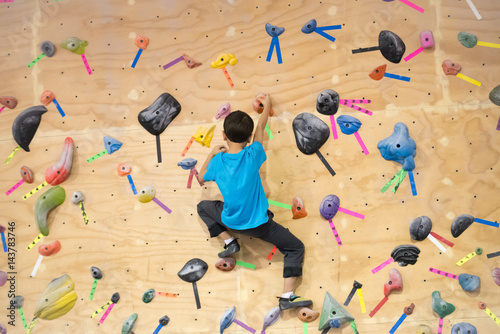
<point>51,199</point>
<point>129,324</point>
<point>333,311</point>
<point>441,307</point>
<point>467,39</point>
<point>148,295</point>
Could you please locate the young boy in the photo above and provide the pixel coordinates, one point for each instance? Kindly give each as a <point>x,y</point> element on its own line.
<point>235,169</point>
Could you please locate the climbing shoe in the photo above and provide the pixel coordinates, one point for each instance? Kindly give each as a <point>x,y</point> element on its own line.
<point>231,248</point>
<point>293,302</point>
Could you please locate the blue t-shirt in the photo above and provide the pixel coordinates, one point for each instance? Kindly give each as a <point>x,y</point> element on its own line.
<point>238,179</point>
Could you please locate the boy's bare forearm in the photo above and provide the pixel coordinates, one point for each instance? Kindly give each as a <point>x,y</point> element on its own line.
<point>261,124</point>
<point>203,169</point>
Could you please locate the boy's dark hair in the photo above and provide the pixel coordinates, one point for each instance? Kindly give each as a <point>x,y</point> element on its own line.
<point>238,126</point>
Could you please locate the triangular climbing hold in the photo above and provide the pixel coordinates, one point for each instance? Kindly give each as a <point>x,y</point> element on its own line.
<point>112,144</point>
<point>333,311</point>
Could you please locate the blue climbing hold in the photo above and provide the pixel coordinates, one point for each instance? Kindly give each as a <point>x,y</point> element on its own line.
<point>227,319</point>
<point>274,31</point>
<point>348,124</point>
<point>187,163</point>
<point>309,27</point>
<point>463,327</point>
<point>469,282</point>
<point>112,145</point>
<point>399,147</point>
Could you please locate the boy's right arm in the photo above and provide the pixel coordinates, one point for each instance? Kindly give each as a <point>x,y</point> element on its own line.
<point>215,150</point>
<point>261,125</point>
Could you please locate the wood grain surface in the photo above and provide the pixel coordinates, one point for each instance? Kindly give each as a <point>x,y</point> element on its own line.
<point>139,246</point>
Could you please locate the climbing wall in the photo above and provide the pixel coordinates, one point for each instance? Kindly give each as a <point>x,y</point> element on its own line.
<point>139,246</point>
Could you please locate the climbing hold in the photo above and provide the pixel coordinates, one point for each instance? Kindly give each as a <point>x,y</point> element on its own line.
<point>441,307</point>
<point>48,48</point>
<point>96,272</point>
<point>204,135</point>
<point>258,106</point>
<point>306,314</point>
<point>463,328</point>
<point>469,282</point>
<point>124,169</point>
<point>164,320</point>
<point>142,42</point>
<point>309,27</point>
<point>27,174</point>
<point>3,330</point>
<point>59,172</point>
<point>75,45</point>
<point>496,275</point>
<point>310,133</point>
<point>274,31</point>
<point>271,317</point>
<point>227,319</point>
<point>423,329</point>
<point>460,224</point>
<point>8,101</point>
<point>298,208</point>
<point>409,309</point>
<point>327,102</point>
<point>405,255</point>
<point>223,111</point>
<point>467,39</point>
<point>193,270</point>
<point>47,97</point>
<point>129,323</point>
<point>190,62</point>
<point>333,311</point>
<point>49,249</point>
<point>148,295</point>
<point>77,197</point>
<point>348,124</point>
<point>420,228</point>
<point>329,206</point>
<point>111,144</point>
<point>187,163</point>
<point>57,299</point>
<point>495,95</point>
<point>225,263</point>
<point>427,39</point>
<point>223,60</point>
<point>51,199</point>
<point>17,301</point>
<point>378,72</point>
<point>391,46</point>
<point>159,114</point>
<point>451,68</point>
<point>115,297</point>
<point>25,125</point>
<point>399,147</point>
<point>3,278</point>
<point>146,194</point>
<point>395,282</point>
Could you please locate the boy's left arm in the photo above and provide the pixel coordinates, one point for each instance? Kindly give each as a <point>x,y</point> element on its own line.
<point>213,153</point>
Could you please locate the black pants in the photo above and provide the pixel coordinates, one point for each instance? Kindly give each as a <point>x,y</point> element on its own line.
<point>272,232</point>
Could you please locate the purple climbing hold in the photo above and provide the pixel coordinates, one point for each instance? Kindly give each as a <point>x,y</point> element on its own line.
<point>329,206</point>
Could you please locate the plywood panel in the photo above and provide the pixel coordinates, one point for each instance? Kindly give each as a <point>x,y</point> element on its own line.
<point>139,246</point>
